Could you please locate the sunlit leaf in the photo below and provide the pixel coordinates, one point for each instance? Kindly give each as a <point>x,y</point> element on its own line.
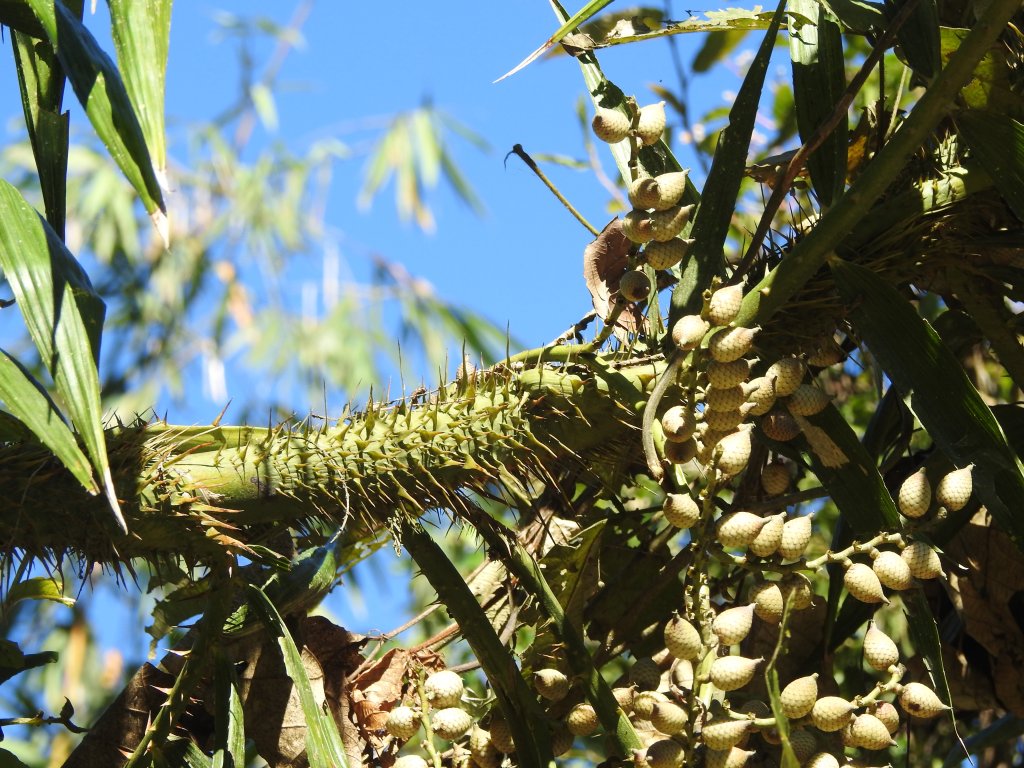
<point>37,588</point>
<point>588,11</point>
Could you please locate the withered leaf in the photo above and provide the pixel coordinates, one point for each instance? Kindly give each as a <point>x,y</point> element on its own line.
<point>604,263</point>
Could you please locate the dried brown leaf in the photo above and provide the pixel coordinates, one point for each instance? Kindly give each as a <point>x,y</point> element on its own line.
<point>604,263</point>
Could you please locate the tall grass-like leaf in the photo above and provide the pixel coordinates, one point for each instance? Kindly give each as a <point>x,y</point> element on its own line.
<point>323,742</point>
<point>919,38</point>
<point>711,224</point>
<point>819,80</point>
<point>101,91</point>
<point>229,736</point>
<point>1006,729</point>
<point>64,317</point>
<point>588,11</point>
<point>142,32</point>
<point>998,143</point>
<point>37,588</point>
<point>29,402</point>
<point>925,635</point>
<point>942,397</point>
<point>41,80</point>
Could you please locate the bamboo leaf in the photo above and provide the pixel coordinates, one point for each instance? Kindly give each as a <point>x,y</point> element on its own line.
<point>919,37</point>
<point>64,317</point>
<point>9,759</point>
<point>323,743</point>
<point>925,636</point>
<point>819,80</point>
<point>998,143</point>
<point>99,88</point>
<point>942,397</point>
<point>229,718</point>
<point>37,588</point>
<point>711,224</point>
<point>141,31</point>
<point>1007,728</point>
<point>29,402</point>
<point>857,15</point>
<point>588,11</point>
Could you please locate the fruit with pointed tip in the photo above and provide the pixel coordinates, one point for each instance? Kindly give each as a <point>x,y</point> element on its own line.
<point>658,192</point>
<point>798,697</point>
<point>775,478</point>
<point>651,124</point>
<point>665,254</point>
<point>582,720</point>
<point>807,400</point>
<point>637,226</point>
<point>668,718</point>
<point>450,723</point>
<point>645,674</point>
<point>635,285</point>
<point>738,529</point>
<point>681,510</point>
<point>665,225</point>
<point>665,753</point>
<point>869,732</point>
<point>915,495</point>
<point>954,489</point>
<point>724,732</point>
<point>678,423</point>
<point>552,684</point>
<point>728,344</point>
<point>689,331</point>
<point>724,304</point>
<point>682,639</point>
<point>735,757</point>
<point>610,125</point>
<point>892,570</point>
<point>880,651</point>
<point>918,700</point>
<point>732,625</point>
<point>443,689</point>
<point>861,582</point>
<point>768,601</point>
<point>735,452</point>
<point>831,713</point>
<point>922,559</point>
<point>769,538</point>
<point>796,535</point>
<point>730,673</point>
<point>402,722</point>
<point>727,374</point>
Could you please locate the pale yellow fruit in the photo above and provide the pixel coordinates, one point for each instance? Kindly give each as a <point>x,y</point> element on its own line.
<point>681,510</point>
<point>768,601</point>
<point>688,332</point>
<point>665,754</point>
<point>918,700</point>
<point>828,352</point>
<point>682,639</point>
<point>450,723</point>
<point>727,374</point>
<point>637,226</point>
<point>725,398</point>
<point>779,424</point>
<point>735,452</point>
<point>788,373</point>
<point>799,696</point>
<point>798,590</point>
<point>796,535</point>
<point>761,393</point>
<point>645,701</point>
<point>561,740</point>
<point>880,652</point>
<point>724,732</point>
<point>892,570</point>
<point>443,689</point>
<point>635,285</point>
<point>831,713</point>
<point>822,760</point>
<point>738,529</point>
<point>769,537</point>
<point>922,560</point>
<point>888,714</point>
<point>725,420</point>
<point>870,733</point>
<point>724,304</point>
<point>651,123</point>
<point>410,761</point>
<point>610,125</point>
<point>402,722</point>
<point>915,495</point>
<point>807,400</point>
<point>482,749</point>
<point>861,582</point>
<point>680,452</point>
<point>582,720</point>
<point>659,192</point>
<point>732,625</point>
<point>678,423</point>
<point>551,684</point>
<point>645,674</point>
<point>668,718</point>
<point>736,757</point>
<point>730,673</point>
<point>665,225</point>
<point>728,344</point>
<point>624,698</point>
<point>775,478</point>
<point>954,490</point>
<point>501,735</point>
<point>665,254</point>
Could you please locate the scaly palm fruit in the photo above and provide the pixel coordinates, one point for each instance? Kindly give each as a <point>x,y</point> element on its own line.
<point>880,651</point>
<point>822,760</point>
<point>402,722</point>
<point>665,753</point>
<point>732,625</point>
<point>861,582</point>
<point>680,452</point>
<point>561,740</point>
<point>779,424</point>
<point>724,732</point>
<point>887,713</point>
<point>645,701</point>
<point>870,733</point>
<point>482,749</point>
<point>551,684</point>
<point>645,674</point>
<point>920,701</point>
<point>775,478</point>
<point>755,707</point>
<point>624,698</point>
<point>738,529</point>
<point>768,601</point>
<point>803,743</point>
<point>796,535</point>
<point>954,490</point>
<point>681,510</point>
<point>651,124</point>
<point>730,673</point>
<point>725,398</point>
<point>827,353</point>
<point>799,696</point>
<point>665,254</point>
<point>610,125</point>
<point>726,375</point>
<point>410,761</point>
<point>501,734</point>
<point>797,589</point>
<point>915,495</point>
<point>665,225</point>
<point>788,374</point>
<point>769,538</point>
<point>723,421</point>
<point>831,713</point>
<point>678,423</point>
<point>450,723</point>
<point>660,192</point>
<point>761,393</point>
<point>736,757</point>
<point>735,452</point>
<point>688,332</point>
<point>637,226</point>
<point>582,720</point>
<point>709,438</point>
<point>724,305</point>
<point>443,689</point>
<point>668,718</point>
<point>807,400</point>
<point>922,560</point>
<point>635,285</point>
<point>728,344</point>
<point>892,570</point>
<point>682,639</point>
